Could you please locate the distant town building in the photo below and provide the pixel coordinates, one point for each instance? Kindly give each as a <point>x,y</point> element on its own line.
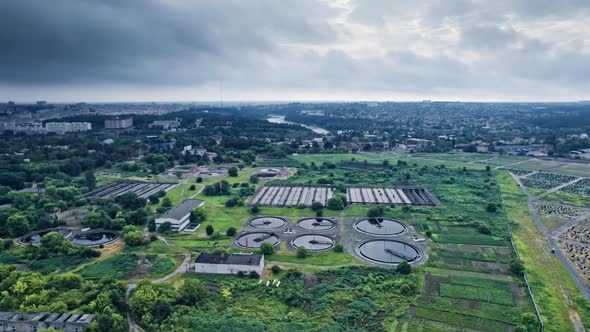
<point>118,123</point>
<point>23,322</point>
<point>419,142</point>
<point>165,124</point>
<point>179,215</point>
<point>229,263</point>
<point>66,127</point>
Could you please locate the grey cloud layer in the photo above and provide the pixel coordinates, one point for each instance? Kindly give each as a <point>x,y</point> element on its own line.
<point>502,49</point>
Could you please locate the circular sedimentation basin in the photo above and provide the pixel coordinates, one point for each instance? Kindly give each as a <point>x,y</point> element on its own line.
<point>316,224</point>
<point>313,242</point>
<point>94,238</point>
<point>380,226</point>
<point>267,222</point>
<point>386,251</point>
<point>35,238</point>
<point>256,239</point>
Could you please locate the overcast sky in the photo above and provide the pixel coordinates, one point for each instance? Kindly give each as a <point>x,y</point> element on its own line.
<point>143,50</point>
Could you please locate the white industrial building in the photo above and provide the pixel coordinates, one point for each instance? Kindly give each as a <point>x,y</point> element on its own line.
<point>179,215</point>
<point>118,123</point>
<point>229,263</point>
<point>65,127</point>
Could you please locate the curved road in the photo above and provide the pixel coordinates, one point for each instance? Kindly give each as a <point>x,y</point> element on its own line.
<point>579,282</point>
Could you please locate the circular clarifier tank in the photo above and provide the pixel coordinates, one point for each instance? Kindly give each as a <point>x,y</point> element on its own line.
<point>380,226</point>
<point>267,222</point>
<point>255,240</point>
<point>387,251</point>
<point>313,242</point>
<point>35,238</point>
<point>93,239</point>
<point>316,224</point>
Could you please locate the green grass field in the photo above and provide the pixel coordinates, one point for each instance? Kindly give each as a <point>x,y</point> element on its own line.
<point>556,293</point>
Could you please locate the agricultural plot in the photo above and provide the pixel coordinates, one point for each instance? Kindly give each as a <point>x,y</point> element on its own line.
<point>518,172</point>
<point>141,189</point>
<point>538,165</point>
<point>291,196</point>
<point>389,196</point>
<point>581,187</point>
<point>559,210</point>
<point>577,253</point>
<point>470,300</point>
<point>546,180</point>
<point>575,169</point>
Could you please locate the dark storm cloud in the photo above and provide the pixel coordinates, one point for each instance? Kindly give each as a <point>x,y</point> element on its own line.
<point>501,49</point>
<point>146,41</point>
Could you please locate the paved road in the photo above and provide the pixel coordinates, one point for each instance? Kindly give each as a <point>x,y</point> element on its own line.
<point>583,289</point>
<point>181,269</point>
<point>552,190</point>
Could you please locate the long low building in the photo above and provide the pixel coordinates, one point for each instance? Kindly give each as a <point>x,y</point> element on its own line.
<point>23,322</point>
<point>179,215</point>
<point>229,263</point>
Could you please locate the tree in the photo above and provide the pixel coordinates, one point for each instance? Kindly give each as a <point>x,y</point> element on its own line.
<point>253,179</point>
<point>302,252</point>
<point>267,248</point>
<point>335,203</point>
<point>154,199</point>
<point>232,201</point>
<point>255,209</point>
<point>110,321</point>
<point>192,187</point>
<point>339,247</point>
<point>166,202</point>
<point>231,231</point>
<point>404,268</point>
<point>199,179</point>
<point>319,213</point>
<point>232,171</point>
<point>198,215</point>
<point>18,224</point>
<point>375,212</point>
<point>276,269</point>
<point>492,207</point>
<point>133,238</point>
<point>191,292</point>
<point>517,266</point>
<point>165,227</point>
<point>90,180</point>
<point>209,230</point>
<point>317,206</point>
<point>52,241</point>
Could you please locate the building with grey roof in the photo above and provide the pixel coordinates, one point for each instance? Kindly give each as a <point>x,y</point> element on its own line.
<point>229,263</point>
<point>179,215</point>
<point>23,322</point>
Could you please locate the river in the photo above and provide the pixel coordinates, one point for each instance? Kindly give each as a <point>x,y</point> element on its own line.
<point>281,119</point>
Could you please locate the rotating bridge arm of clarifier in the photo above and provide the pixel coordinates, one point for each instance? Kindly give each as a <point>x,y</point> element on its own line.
<point>400,255</point>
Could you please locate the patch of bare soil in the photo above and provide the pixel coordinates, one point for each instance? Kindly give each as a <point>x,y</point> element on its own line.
<point>515,291</point>
<point>141,271</point>
<point>309,281</point>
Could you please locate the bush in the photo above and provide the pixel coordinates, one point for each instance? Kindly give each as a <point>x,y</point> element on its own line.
<point>492,207</point>
<point>199,179</point>
<point>7,244</point>
<point>375,212</point>
<point>255,209</point>
<point>317,206</point>
<point>253,179</point>
<point>302,252</point>
<point>165,227</point>
<point>335,203</point>
<point>209,230</point>
<point>275,269</point>
<point>404,268</point>
<point>231,231</point>
<point>517,266</point>
<point>232,201</point>
<point>429,233</point>
<point>133,238</point>
<point>253,275</point>
<point>192,187</point>
<point>267,248</point>
<point>339,247</point>
<point>166,202</point>
<point>232,171</point>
